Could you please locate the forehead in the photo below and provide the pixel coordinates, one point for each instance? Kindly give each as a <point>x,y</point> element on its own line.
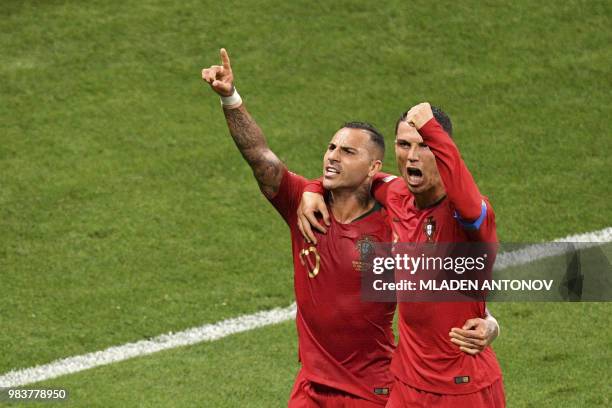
<point>348,137</point>
<point>408,133</point>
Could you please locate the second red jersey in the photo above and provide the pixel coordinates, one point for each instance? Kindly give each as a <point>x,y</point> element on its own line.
<point>425,357</point>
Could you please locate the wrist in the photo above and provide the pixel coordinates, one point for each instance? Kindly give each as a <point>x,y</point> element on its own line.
<point>494,325</point>
<point>232,101</point>
<point>419,120</point>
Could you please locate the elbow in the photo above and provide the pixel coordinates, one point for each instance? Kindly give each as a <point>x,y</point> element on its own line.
<point>473,210</point>
<point>472,219</point>
<point>470,216</point>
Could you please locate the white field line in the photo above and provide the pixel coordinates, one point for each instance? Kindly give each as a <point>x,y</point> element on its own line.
<point>557,247</point>
<point>224,328</point>
<point>207,332</point>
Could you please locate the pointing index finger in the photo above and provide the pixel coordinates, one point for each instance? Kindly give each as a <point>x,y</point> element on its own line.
<point>225,59</point>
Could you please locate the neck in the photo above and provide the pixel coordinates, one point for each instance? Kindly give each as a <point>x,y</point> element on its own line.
<point>429,197</point>
<point>348,205</point>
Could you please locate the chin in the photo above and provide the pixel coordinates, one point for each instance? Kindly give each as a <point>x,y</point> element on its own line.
<point>328,184</point>
<point>415,189</point>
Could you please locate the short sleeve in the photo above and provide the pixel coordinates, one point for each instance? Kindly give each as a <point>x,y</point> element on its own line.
<point>287,200</point>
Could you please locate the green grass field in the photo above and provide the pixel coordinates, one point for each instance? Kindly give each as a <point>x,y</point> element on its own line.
<point>126,211</point>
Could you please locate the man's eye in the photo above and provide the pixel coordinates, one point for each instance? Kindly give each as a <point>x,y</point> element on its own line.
<point>423,145</point>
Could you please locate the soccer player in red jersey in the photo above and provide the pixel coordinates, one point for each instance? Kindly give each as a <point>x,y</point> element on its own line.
<point>435,200</point>
<point>345,345</point>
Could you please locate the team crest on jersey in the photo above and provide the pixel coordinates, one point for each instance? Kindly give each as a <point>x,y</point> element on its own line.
<point>365,247</point>
<point>430,228</point>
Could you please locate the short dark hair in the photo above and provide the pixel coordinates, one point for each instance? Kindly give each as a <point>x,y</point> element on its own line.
<point>375,136</point>
<point>441,117</point>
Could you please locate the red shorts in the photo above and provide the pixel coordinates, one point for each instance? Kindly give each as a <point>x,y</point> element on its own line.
<point>404,395</point>
<point>306,394</point>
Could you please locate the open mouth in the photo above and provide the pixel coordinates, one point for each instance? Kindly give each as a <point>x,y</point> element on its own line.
<point>415,176</point>
<point>331,171</point>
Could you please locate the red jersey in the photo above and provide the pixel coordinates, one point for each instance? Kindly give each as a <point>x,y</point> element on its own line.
<point>344,343</point>
<point>425,358</point>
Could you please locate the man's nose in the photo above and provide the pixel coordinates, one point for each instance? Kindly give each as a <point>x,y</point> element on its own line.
<point>333,156</point>
<point>413,154</point>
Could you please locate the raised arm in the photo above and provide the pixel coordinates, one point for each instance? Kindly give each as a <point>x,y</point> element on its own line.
<point>267,167</point>
<point>460,187</point>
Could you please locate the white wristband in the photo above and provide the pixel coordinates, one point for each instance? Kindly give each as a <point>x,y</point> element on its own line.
<point>233,101</point>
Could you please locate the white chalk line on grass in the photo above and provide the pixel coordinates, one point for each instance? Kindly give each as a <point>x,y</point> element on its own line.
<point>557,247</point>
<point>207,332</point>
<point>224,328</point>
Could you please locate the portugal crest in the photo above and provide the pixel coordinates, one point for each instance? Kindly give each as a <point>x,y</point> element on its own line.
<point>365,246</point>
<point>366,250</point>
<point>430,229</point>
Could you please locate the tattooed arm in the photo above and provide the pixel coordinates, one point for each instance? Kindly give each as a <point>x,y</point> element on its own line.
<point>267,167</point>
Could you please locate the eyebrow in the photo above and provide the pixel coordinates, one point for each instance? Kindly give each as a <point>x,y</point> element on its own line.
<point>348,149</point>
<point>345,148</point>
<point>405,140</point>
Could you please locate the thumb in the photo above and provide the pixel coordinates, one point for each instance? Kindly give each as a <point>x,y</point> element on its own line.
<point>221,85</point>
<point>470,324</point>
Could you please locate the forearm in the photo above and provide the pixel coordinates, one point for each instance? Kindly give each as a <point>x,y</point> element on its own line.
<point>267,167</point>
<point>460,187</point>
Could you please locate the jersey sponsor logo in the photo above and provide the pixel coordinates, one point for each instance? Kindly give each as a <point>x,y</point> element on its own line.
<point>311,262</point>
<point>430,228</point>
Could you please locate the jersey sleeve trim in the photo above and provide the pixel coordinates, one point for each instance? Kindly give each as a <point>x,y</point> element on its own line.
<point>474,225</point>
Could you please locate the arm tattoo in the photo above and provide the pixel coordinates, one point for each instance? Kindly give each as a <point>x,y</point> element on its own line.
<point>267,167</point>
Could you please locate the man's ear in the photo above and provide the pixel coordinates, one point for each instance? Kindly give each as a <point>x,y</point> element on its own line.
<point>375,167</point>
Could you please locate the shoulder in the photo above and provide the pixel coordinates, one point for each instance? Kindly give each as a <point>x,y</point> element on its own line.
<point>396,185</point>
<point>292,181</point>
<point>289,194</point>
